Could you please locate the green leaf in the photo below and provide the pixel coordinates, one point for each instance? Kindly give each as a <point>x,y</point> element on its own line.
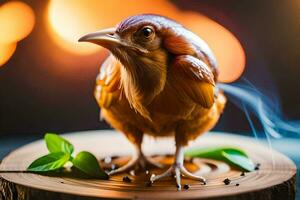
<point>231,155</point>
<point>88,163</point>
<point>50,162</point>
<point>237,160</point>
<point>56,143</point>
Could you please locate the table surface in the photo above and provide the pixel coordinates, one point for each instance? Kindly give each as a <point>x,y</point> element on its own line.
<point>289,147</point>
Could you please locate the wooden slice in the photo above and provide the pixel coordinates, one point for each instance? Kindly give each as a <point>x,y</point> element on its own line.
<point>274,180</point>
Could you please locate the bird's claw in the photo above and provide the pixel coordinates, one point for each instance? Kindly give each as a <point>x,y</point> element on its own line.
<point>141,162</point>
<point>177,170</point>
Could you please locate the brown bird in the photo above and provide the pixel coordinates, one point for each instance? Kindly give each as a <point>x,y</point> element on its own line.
<point>160,79</point>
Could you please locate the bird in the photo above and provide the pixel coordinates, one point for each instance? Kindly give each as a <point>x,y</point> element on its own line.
<point>160,79</point>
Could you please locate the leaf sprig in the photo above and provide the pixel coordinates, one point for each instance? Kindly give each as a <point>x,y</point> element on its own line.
<point>61,150</point>
<point>61,153</point>
<point>231,155</point>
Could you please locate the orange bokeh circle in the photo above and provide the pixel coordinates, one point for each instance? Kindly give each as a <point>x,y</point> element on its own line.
<point>70,19</point>
<point>6,51</point>
<point>16,21</point>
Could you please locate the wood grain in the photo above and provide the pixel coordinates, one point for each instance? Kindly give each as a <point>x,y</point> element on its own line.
<point>274,180</point>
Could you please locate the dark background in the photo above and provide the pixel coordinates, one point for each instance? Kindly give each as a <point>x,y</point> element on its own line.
<point>35,99</point>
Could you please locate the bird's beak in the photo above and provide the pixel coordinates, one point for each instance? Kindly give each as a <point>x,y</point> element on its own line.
<point>106,38</point>
<point>109,39</point>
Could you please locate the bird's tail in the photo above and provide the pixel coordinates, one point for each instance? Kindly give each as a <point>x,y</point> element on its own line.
<point>267,110</point>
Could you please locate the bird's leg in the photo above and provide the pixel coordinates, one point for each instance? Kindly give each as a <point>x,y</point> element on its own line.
<point>178,169</point>
<point>138,160</point>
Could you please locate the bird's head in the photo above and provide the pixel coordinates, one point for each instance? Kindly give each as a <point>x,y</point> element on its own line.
<point>136,41</point>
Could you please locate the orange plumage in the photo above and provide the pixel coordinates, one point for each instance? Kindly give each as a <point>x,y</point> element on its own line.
<point>159,80</point>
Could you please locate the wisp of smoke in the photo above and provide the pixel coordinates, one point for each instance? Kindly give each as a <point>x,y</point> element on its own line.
<point>267,110</point>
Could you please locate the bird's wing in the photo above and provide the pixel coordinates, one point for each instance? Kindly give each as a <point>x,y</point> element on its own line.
<point>180,41</point>
<point>107,82</point>
<point>194,79</point>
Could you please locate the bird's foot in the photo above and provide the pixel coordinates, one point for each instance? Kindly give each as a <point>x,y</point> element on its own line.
<point>140,162</point>
<point>177,169</point>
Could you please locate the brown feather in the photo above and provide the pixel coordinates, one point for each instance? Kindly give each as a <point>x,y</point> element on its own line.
<point>107,82</point>
<point>195,79</point>
<point>173,106</point>
<point>178,45</point>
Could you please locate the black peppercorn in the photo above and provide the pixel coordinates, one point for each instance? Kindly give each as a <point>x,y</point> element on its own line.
<point>227,181</point>
<point>186,186</point>
<point>126,179</point>
<point>257,166</point>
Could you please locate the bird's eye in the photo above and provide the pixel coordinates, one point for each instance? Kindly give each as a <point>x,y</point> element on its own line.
<point>147,32</point>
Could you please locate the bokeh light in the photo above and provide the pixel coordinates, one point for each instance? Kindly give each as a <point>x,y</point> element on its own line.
<point>16,21</point>
<point>70,19</point>
<point>6,51</point>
